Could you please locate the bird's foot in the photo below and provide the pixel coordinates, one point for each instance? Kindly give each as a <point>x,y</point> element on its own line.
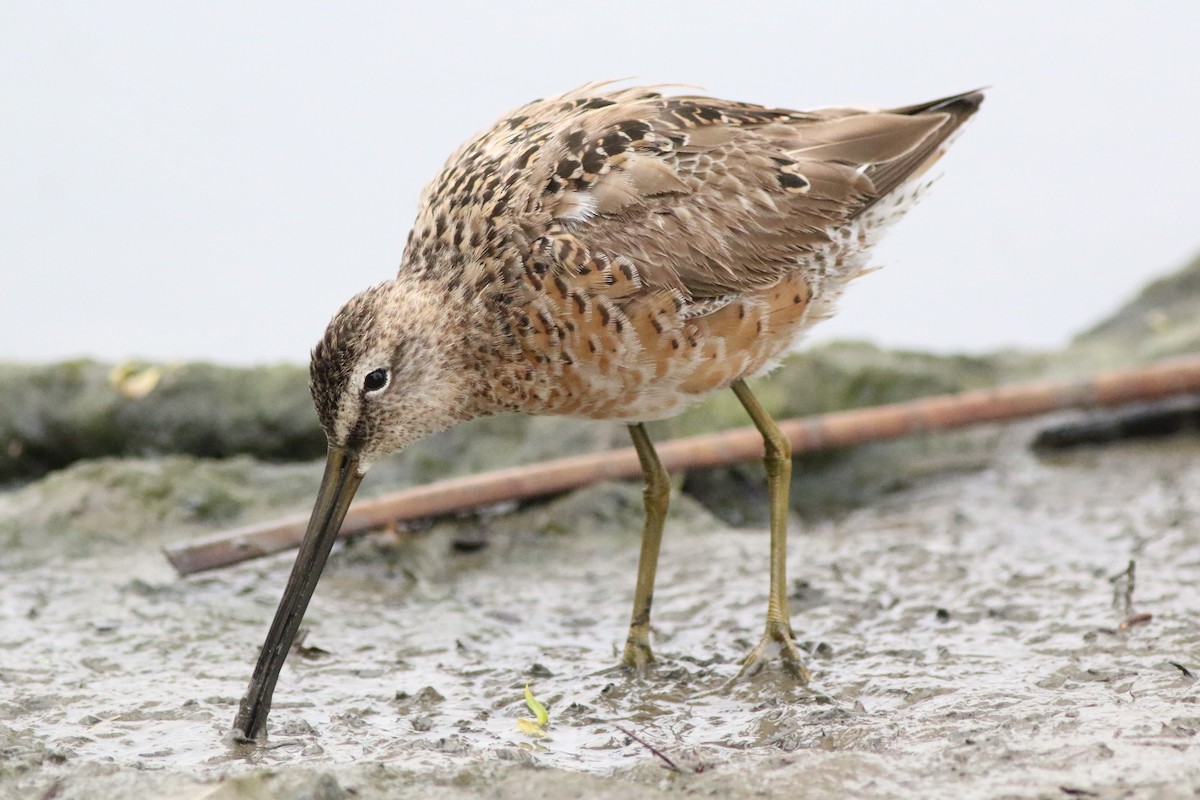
<point>637,655</point>
<point>777,640</point>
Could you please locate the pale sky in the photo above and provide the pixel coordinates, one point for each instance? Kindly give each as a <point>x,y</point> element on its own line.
<point>211,180</point>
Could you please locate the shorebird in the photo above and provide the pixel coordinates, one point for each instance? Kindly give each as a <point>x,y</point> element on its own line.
<point>610,254</point>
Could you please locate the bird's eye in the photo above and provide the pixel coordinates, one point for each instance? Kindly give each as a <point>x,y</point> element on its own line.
<point>375,380</point>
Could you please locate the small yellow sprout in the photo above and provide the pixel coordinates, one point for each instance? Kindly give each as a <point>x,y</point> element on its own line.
<point>534,727</point>
<point>536,707</point>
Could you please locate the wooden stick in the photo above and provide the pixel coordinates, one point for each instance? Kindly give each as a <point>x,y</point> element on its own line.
<point>839,429</point>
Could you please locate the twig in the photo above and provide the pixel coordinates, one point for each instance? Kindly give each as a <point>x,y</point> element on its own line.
<point>840,429</point>
<point>1187,673</point>
<point>1133,620</point>
<point>1139,422</point>
<point>670,764</point>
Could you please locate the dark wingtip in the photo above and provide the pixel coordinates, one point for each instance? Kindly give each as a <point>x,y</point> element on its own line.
<point>963,105</point>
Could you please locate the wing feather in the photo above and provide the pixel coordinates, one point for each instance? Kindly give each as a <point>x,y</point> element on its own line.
<point>703,196</point>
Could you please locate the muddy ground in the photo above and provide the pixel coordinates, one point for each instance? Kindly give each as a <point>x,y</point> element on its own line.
<point>966,634</point>
<point>981,622</point>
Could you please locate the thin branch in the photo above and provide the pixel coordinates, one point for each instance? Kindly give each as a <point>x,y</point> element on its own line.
<point>670,764</point>
<point>840,429</point>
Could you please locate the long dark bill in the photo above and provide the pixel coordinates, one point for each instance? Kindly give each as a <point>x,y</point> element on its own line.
<point>338,485</point>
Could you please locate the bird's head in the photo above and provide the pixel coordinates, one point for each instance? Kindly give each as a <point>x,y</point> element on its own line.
<point>390,370</point>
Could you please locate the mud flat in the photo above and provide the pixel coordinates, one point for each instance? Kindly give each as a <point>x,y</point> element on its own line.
<point>966,635</point>
<point>982,622</point>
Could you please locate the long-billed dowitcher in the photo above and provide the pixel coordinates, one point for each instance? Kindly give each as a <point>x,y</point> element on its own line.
<point>609,255</point>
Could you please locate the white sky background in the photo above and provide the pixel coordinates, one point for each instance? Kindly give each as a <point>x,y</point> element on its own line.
<point>211,180</point>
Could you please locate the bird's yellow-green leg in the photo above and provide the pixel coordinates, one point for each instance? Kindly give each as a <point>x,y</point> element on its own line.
<point>778,460</point>
<point>656,496</point>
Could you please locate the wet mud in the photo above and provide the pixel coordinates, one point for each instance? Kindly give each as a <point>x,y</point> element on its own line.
<point>977,634</point>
